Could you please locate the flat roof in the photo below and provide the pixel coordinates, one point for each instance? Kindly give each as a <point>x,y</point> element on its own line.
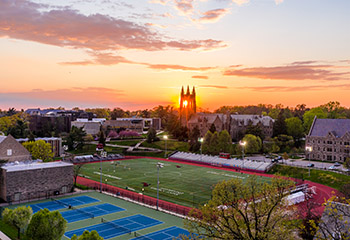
<point>21,166</point>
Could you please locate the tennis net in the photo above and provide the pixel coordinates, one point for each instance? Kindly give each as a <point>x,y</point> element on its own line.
<point>124,229</point>
<point>141,237</point>
<point>60,202</point>
<point>84,212</point>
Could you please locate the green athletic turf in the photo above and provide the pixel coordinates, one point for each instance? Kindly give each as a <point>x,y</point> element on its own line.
<point>188,186</point>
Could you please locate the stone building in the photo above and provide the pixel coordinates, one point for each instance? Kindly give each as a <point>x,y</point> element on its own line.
<point>28,180</point>
<point>235,124</point>
<point>328,140</point>
<point>11,150</point>
<point>134,124</point>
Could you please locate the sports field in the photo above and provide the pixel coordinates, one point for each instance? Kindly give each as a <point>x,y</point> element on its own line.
<point>111,217</point>
<point>184,184</point>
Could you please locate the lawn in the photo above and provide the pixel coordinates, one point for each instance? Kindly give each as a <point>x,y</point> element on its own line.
<point>125,142</point>
<point>328,178</point>
<point>172,145</point>
<point>183,184</point>
<point>10,231</point>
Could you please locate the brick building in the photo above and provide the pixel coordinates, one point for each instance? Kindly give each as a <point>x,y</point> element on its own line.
<point>328,140</point>
<point>12,151</point>
<point>28,180</point>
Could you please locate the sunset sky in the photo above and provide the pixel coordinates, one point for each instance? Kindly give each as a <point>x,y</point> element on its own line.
<point>136,54</point>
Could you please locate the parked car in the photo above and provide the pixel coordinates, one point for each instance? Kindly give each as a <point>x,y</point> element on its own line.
<point>310,165</point>
<point>337,164</point>
<point>333,167</point>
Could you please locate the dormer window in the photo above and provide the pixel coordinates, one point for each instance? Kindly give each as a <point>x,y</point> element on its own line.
<point>9,152</point>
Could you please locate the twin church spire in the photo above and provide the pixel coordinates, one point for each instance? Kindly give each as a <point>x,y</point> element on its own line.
<point>188,104</point>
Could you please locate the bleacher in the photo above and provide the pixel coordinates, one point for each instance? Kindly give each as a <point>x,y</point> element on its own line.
<point>91,158</point>
<point>247,164</point>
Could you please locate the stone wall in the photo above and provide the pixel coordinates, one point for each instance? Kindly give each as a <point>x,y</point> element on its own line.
<point>34,183</point>
<point>328,148</point>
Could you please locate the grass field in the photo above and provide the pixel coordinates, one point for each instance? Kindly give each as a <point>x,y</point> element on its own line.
<point>328,178</point>
<point>183,184</point>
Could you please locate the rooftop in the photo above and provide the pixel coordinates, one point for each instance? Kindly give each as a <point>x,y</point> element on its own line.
<point>32,165</point>
<point>338,127</point>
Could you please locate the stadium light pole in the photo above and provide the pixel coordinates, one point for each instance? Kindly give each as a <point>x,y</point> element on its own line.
<point>242,143</point>
<point>166,139</point>
<point>159,165</point>
<point>201,141</point>
<point>309,150</point>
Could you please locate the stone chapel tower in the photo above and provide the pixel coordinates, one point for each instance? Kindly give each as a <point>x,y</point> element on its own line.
<point>187,105</point>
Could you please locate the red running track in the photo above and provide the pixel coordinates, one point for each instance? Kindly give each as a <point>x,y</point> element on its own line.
<point>323,192</point>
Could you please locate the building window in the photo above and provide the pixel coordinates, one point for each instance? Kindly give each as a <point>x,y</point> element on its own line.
<point>329,149</point>
<point>329,142</point>
<point>329,158</point>
<point>335,158</point>
<point>9,152</point>
<point>346,143</point>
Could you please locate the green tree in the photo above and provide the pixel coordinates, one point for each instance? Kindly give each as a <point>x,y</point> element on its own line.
<point>75,139</point>
<point>46,225</point>
<point>334,110</point>
<point>244,210</point>
<point>255,130</point>
<point>284,142</point>
<point>270,146</point>
<point>206,142</point>
<point>310,115</point>
<point>253,143</point>
<point>102,138</point>
<point>279,127</point>
<point>18,217</point>
<point>225,142</point>
<point>151,135</point>
<point>93,235</point>
<point>39,150</point>
<point>194,136</point>
<point>214,144</point>
<point>295,128</point>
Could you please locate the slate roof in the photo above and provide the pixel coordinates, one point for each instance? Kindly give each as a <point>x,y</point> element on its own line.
<point>321,127</point>
<point>255,119</point>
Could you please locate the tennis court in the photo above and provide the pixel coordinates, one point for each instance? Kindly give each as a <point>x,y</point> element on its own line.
<point>165,234</point>
<point>63,203</point>
<point>126,225</point>
<point>90,212</point>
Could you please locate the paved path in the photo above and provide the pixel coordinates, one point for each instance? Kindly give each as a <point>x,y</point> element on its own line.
<point>3,236</point>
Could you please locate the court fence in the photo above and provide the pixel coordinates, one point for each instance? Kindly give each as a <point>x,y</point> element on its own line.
<point>141,198</point>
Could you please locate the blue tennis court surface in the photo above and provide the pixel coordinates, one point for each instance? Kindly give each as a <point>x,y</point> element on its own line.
<point>118,227</point>
<point>97,210</point>
<point>165,234</point>
<point>53,205</point>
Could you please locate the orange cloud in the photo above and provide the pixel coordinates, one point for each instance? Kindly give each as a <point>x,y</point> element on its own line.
<point>177,67</point>
<point>100,58</point>
<point>213,86</point>
<point>200,77</point>
<point>297,88</point>
<point>66,27</point>
<point>184,6</point>
<point>295,71</point>
<point>213,15</point>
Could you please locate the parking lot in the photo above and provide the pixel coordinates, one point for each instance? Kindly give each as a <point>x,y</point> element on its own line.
<point>301,163</point>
